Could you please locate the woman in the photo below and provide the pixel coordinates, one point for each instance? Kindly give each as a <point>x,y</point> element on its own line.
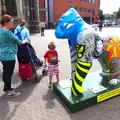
<point>8,51</point>
<point>22,32</point>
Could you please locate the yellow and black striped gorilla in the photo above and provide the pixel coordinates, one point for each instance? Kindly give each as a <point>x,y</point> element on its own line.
<point>84,44</point>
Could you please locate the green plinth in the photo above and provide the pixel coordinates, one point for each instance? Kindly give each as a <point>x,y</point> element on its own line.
<point>97,90</point>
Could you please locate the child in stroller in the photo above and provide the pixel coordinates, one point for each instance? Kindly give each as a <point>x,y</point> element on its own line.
<point>28,62</point>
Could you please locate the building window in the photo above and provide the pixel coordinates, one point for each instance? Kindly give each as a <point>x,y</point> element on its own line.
<point>80,9</point>
<point>80,0</point>
<point>89,1</point>
<point>85,0</point>
<point>11,7</point>
<point>84,9</point>
<point>32,9</point>
<point>69,1</point>
<point>26,10</point>
<point>89,10</point>
<point>93,2</point>
<point>77,8</point>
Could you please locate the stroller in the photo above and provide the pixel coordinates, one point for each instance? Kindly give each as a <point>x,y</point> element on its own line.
<point>28,62</point>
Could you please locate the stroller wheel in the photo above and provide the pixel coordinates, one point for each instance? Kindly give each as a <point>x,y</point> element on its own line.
<point>36,78</point>
<point>44,72</point>
<point>23,79</point>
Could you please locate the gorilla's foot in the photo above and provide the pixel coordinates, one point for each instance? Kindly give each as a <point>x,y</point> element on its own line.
<point>104,74</point>
<point>114,81</point>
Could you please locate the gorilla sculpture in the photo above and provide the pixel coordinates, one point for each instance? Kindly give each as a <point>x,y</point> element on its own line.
<point>84,44</point>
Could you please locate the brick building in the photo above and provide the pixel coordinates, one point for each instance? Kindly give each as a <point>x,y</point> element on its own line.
<point>22,9</point>
<point>51,10</point>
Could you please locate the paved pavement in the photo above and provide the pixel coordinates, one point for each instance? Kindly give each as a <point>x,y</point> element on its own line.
<point>37,102</point>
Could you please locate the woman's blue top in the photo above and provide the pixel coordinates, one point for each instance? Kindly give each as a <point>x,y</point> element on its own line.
<point>8,45</point>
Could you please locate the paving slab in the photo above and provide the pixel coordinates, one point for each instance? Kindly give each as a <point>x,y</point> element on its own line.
<point>37,102</point>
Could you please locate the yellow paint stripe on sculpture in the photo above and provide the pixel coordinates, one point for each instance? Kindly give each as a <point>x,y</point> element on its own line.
<point>108,95</point>
<point>74,92</point>
<point>106,71</point>
<point>82,69</point>
<point>79,88</point>
<point>79,77</point>
<point>85,64</point>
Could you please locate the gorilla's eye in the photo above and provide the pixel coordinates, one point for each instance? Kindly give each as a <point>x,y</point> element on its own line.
<point>65,24</point>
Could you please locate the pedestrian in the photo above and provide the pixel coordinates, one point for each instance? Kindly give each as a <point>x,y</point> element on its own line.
<point>8,51</point>
<point>51,56</point>
<point>100,26</point>
<point>42,28</point>
<point>21,31</point>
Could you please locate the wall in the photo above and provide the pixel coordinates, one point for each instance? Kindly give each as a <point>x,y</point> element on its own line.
<point>61,6</point>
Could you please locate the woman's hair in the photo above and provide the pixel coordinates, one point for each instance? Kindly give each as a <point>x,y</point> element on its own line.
<point>22,23</point>
<point>5,19</point>
<point>51,46</point>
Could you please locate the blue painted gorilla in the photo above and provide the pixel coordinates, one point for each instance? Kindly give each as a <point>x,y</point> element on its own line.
<point>84,44</point>
<point>69,22</point>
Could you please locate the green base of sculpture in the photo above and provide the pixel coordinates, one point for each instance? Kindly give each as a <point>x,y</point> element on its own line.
<point>97,90</point>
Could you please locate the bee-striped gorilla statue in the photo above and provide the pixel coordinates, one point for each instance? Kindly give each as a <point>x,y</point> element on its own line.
<point>84,44</point>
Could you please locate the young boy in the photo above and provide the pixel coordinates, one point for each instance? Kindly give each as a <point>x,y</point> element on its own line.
<point>51,56</point>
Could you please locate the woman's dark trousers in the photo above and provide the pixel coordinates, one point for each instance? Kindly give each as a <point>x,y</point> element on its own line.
<point>8,68</point>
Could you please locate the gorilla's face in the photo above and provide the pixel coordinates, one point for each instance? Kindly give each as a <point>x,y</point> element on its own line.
<point>67,23</point>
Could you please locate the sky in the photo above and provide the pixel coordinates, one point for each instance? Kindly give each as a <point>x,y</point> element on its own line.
<point>109,6</point>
